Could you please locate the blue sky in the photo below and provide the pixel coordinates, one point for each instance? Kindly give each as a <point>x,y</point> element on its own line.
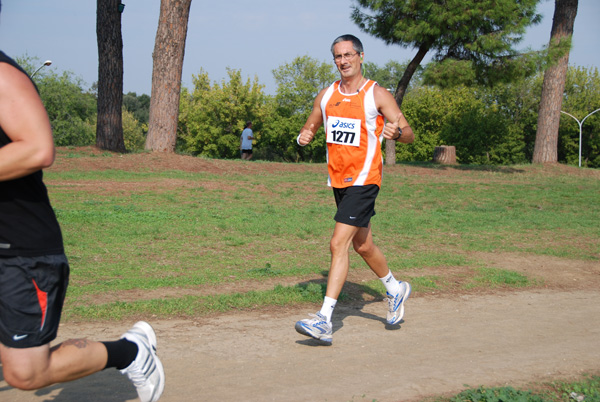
<point>253,36</point>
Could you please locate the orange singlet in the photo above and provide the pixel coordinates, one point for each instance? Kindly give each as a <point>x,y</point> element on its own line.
<point>353,128</point>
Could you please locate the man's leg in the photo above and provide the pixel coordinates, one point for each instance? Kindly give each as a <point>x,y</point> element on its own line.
<point>38,367</point>
<point>366,248</point>
<point>340,264</point>
<point>397,292</point>
<point>34,368</point>
<point>320,326</point>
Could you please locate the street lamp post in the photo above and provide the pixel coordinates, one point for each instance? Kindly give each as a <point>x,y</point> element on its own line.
<point>580,124</point>
<point>46,63</point>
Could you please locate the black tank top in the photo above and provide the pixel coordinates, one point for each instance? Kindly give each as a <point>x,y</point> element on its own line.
<point>28,225</point>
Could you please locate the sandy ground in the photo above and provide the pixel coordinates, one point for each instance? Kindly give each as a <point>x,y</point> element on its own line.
<point>503,339</point>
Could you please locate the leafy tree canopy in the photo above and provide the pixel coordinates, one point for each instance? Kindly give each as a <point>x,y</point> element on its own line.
<point>70,108</point>
<point>478,35</point>
<point>387,76</point>
<point>299,82</point>
<point>212,116</point>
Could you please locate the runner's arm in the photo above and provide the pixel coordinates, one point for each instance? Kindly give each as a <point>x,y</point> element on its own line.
<point>387,106</point>
<point>25,121</point>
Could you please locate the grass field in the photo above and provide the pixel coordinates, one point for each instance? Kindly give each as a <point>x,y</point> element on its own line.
<point>174,232</point>
<point>191,239</point>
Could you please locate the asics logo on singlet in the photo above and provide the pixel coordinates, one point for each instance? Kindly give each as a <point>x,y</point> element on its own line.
<point>341,124</point>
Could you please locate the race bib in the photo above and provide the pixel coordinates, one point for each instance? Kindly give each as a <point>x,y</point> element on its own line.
<point>343,131</point>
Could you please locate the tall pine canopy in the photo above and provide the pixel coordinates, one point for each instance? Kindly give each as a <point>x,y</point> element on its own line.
<point>481,32</point>
<point>471,39</point>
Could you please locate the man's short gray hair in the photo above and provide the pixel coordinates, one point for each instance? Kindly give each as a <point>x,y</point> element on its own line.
<point>356,43</point>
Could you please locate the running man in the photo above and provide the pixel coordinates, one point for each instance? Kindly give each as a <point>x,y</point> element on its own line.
<point>353,111</point>
<point>34,271</point>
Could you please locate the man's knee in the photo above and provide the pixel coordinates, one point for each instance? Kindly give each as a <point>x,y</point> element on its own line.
<point>20,377</point>
<point>25,368</point>
<point>364,249</point>
<point>338,244</point>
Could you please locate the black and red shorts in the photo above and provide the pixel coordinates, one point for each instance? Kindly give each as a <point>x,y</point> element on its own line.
<point>32,292</point>
<point>356,204</point>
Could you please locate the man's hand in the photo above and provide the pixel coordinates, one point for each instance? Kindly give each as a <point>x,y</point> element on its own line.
<point>391,131</point>
<point>306,135</point>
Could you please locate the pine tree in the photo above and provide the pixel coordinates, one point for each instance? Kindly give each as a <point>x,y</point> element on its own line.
<point>169,49</point>
<point>109,128</point>
<point>476,32</point>
<point>546,138</point>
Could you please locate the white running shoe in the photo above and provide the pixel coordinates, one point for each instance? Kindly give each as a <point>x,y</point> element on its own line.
<point>316,327</point>
<point>396,304</point>
<point>146,371</point>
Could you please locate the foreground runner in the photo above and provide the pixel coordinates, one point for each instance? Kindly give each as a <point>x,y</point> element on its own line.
<point>34,271</point>
<point>353,111</point>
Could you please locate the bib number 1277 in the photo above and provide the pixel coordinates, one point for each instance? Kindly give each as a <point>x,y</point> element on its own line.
<point>343,131</point>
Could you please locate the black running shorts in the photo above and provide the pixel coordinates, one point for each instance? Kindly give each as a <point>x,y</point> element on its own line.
<point>32,292</point>
<point>356,204</point>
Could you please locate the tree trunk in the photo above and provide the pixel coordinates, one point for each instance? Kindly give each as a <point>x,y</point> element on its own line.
<point>169,48</point>
<point>445,155</point>
<point>390,145</point>
<point>109,127</point>
<point>546,138</point>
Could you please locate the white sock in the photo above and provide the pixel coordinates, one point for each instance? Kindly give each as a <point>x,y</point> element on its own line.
<point>391,284</point>
<point>327,308</point>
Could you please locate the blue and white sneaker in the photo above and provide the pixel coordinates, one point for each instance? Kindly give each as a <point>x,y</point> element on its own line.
<point>396,304</point>
<point>317,328</point>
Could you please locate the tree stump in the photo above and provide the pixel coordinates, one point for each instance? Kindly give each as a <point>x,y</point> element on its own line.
<point>445,154</point>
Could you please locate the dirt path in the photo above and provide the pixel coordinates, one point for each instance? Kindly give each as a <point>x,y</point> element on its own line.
<point>511,338</point>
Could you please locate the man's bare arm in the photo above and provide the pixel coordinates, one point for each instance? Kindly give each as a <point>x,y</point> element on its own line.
<point>25,121</point>
<point>397,127</point>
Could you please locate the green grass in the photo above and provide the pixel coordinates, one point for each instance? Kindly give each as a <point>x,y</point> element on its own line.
<point>175,229</point>
<point>202,305</point>
<point>586,389</point>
